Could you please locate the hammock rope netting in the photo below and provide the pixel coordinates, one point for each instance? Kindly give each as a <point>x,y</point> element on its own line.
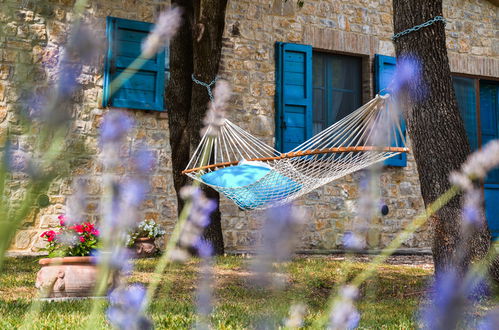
<point>256,176</point>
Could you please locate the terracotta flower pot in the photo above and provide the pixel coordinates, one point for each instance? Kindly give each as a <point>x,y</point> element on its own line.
<point>144,247</point>
<point>67,277</point>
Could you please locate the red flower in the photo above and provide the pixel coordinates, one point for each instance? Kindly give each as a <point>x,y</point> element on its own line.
<point>62,219</point>
<point>78,228</point>
<point>50,235</point>
<point>82,239</point>
<point>90,228</point>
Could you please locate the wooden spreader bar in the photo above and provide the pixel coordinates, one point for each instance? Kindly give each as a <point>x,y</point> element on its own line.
<point>304,153</point>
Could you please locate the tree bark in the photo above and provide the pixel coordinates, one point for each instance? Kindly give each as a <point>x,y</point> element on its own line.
<point>436,130</point>
<point>207,51</point>
<point>195,49</point>
<point>178,96</point>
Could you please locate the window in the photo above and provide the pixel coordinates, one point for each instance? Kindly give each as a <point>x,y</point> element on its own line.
<point>336,88</point>
<point>145,88</point>
<point>314,90</point>
<point>478,102</point>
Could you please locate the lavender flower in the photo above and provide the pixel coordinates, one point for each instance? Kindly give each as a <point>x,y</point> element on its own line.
<point>408,77</point>
<point>167,25</point>
<point>125,310</point>
<point>133,192</point>
<point>143,160</point>
<point>279,237</point>
<point>280,231</point>
<point>77,203</point>
<point>215,116</point>
<point>118,259</point>
<point>115,127</point>
<point>490,321</point>
<point>353,241</point>
<point>344,315</point>
<point>477,166</point>
<point>446,302</point>
<point>472,207</point>
<point>17,160</point>
<point>81,48</point>
<point>198,219</point>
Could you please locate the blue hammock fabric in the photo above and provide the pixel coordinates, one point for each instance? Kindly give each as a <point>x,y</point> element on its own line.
<point>256,180</point>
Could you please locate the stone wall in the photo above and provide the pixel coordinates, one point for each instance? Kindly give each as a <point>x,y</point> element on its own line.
<point>33,40</point>
<point>30,50</point>
<point>356,27</point>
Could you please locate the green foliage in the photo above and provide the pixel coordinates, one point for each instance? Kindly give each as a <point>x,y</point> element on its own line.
<point>145,229</point>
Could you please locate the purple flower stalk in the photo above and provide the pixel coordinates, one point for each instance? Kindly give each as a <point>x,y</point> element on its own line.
<point>477,166</point>
<point>446,303</point>
<point>115,127</point>
<point>125,310</point>
<point>353,241</point>
<point>408,77</point>
<point>490,321</point>
<point>280,234</point>
<point>166,26</point>
<point>344,315</point>
<point>215,116</point>
<point>119,259</point>
<point>198,219</point>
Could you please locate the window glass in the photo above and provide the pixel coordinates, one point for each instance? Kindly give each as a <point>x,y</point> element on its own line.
<point>336,87</point>
<point>466,101</point>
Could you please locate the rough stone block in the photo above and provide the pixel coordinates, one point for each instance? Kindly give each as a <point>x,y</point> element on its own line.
<point>23,239</point>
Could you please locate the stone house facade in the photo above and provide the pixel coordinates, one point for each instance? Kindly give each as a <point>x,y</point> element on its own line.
<point>36,31</point>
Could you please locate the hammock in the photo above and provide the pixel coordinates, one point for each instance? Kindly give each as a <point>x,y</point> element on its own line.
<point>256,176</point>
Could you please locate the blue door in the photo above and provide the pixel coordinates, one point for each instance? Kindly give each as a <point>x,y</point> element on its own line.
<point>489,111</point>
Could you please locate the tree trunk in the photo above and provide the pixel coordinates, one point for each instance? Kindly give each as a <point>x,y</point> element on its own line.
<point>207,50</point>
<point>195,49</point>
<point>436,130</point>
<point>178,96</point>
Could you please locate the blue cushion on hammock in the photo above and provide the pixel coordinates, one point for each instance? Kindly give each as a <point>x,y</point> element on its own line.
<point>235,176</point>
<point>254,196</point>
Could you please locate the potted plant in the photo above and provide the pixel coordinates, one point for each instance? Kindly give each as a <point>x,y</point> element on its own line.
<point>142,239</point>
<point>69,270</point>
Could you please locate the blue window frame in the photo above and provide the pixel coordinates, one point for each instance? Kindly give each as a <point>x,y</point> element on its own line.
<point>144,89</point>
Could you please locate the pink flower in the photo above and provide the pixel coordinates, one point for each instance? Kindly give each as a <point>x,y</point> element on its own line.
<point>82,239</point>
<point>62,219</point>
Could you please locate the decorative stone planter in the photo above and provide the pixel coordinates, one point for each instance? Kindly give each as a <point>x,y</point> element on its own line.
<point>144,247</point>
<point>67,277</point>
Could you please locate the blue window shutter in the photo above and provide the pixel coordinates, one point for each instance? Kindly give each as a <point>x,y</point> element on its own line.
<point>145,88</point>
<point>384,69</point>
<point>464,89</point>
<point>293,95</point>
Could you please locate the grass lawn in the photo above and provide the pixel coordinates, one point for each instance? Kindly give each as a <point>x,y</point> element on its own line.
<point>389,300</point>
